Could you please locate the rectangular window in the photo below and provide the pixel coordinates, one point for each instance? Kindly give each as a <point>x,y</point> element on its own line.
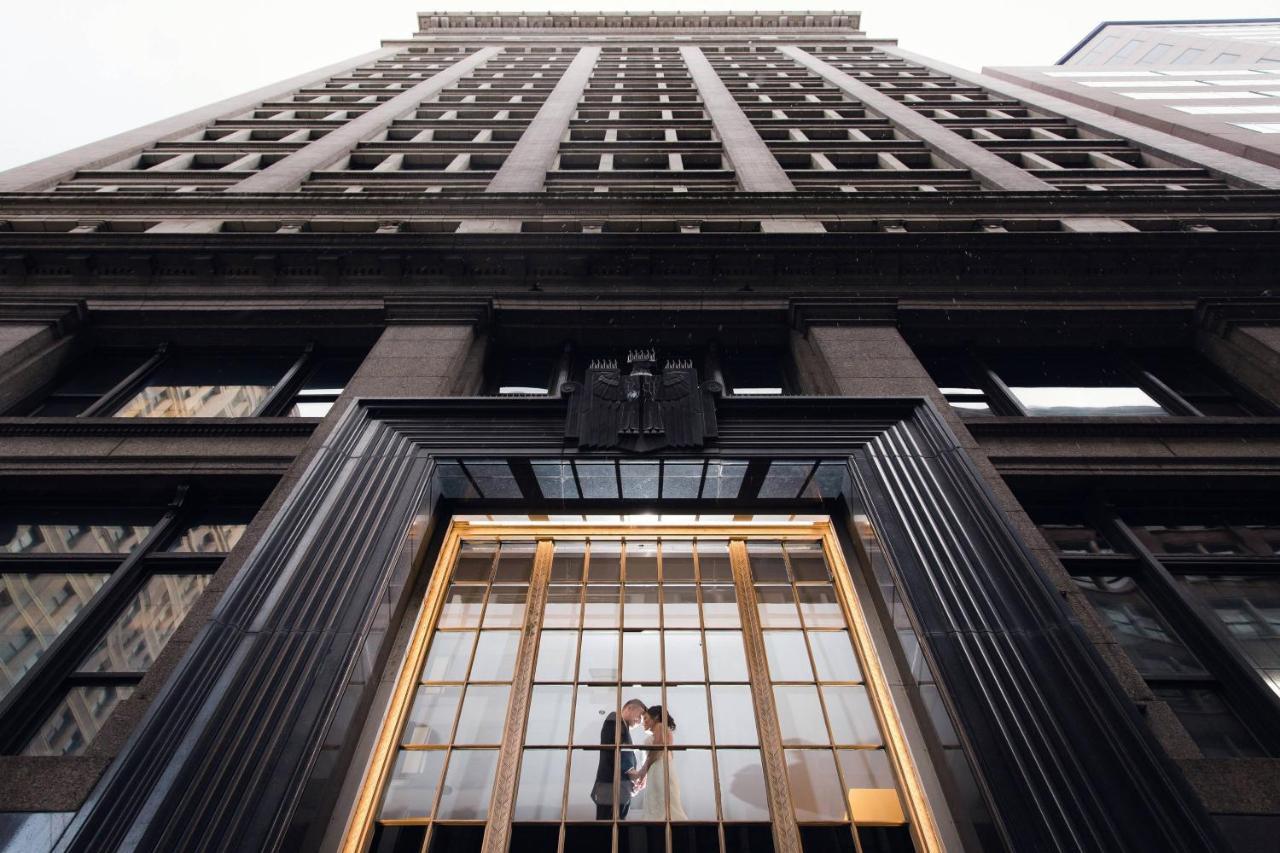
<point>1154,55</point>
<point>1086,382</point>
<point>70,635</point>
<point>626,702</point>
<point>198,383</point>
<point>1137,590</point>
<point>1190,56</point>
<point>1124,53</point>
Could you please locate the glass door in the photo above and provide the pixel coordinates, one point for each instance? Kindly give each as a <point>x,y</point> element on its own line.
<point>641,689</point>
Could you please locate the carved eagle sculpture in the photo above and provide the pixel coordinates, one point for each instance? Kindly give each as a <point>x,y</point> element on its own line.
<point>640,410</point>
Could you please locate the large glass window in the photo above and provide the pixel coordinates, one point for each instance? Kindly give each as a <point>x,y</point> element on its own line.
<point>88,600</point>
<point>631,715</point>
<point>1086,383</point>
<point>198,383</point>
<point>1161,587</point>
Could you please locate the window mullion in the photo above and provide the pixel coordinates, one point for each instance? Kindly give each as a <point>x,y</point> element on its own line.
<point>22,711</point>
<point>1155,387</point>
<point>786,831</point>
<point>114,398</point>
<point>1207,637</point>
<point>279,397</point>
<point>497,833</point>
<point>999,397</point>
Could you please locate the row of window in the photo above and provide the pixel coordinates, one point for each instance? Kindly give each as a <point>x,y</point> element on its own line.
<point>1196,607</point>
<point>88,600</point>
<point>978,382</point>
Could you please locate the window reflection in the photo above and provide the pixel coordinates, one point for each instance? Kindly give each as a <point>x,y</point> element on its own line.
<point>205,385</point>
<point>1141,631</point>
<point>71,538</point>
<point>208,538</point>
<point>142,630</point>
<point>76,721</point>
<point>34,610</point>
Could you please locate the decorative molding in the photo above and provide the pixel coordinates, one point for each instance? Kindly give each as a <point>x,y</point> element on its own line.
<point>472,22</point>
<point>1099,267</point>
<point>222,758</point>
<point>437,311</point>
<point>1220,316</point>
<point>808,311</point>
<point>63,316</point>
<point>158,428</point>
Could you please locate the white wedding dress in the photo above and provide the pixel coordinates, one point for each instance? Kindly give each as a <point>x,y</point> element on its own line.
<point>663,785</point>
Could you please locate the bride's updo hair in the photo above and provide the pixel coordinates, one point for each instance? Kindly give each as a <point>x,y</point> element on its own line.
<point>659,714</point>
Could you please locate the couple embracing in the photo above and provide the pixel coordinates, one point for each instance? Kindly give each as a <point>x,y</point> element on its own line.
<point>655,777</point>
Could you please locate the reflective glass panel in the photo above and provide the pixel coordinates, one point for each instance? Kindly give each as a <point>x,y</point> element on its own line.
<point>641,656</point>
<point>599,661</point>
<point>1141,631</point>
<point>462,606</point>
<point>550,710</point>
<point>742,791</point>
<point>206,385</point>
<point>833,656</point>
<point>411,791</point>
<point>726,656</point>
<point>468,784</point>
<point>686,704</point>
<point>34,610</point>
<point>849,710</point>
<point>1249,607</point>
<point>679,606</point>
<point>684,656</point>
<point>720,607</point>
<point>25,537</point>
<point>787,655</point>
<point>484,712</point>
<point>733,711</point>
<point>541,790</point>
<point>819,606</point>
<point>210,537</point>
<point>777,607</point>
<point>557,653</point>
<point>431,716</point>
<point>449,656</point>
<point>800,714</point>
<point>144,627</point>
<point>495,656</point>
<point>77,720</point>
<point>815,788</point>
<point>592,705</point>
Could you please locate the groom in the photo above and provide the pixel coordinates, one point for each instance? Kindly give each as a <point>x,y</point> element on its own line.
<point>602,793</point>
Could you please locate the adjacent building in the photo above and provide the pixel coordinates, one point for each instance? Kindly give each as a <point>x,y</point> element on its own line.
<point>1212,82</point>
<point>904,441</point>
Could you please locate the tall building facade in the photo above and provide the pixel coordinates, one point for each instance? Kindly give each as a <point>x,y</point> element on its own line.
<point>1212,82</point>
<point>690,432</point>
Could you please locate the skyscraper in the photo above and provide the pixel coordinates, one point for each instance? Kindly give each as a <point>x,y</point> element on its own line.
<point>1216,83</point>
<point>703,432</point>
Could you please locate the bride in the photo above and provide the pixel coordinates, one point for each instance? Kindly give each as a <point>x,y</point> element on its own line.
<point>656,776</point>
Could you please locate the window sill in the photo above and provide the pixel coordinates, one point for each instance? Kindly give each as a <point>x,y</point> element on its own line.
<point>167,427</point>
<point>1124,427</point>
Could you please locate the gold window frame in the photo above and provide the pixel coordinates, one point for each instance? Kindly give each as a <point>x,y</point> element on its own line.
<point>918,813</point>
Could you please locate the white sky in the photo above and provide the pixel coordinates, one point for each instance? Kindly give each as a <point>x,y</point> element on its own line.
<point>80,70</point>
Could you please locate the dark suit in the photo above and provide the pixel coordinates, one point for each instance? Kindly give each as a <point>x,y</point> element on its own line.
<point>603,792</point>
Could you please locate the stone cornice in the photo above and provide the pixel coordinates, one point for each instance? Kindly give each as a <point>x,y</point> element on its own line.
<point>15,207</point>
<point>655,22</point>
<point>63,316</point>
<point>1220,316</point>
